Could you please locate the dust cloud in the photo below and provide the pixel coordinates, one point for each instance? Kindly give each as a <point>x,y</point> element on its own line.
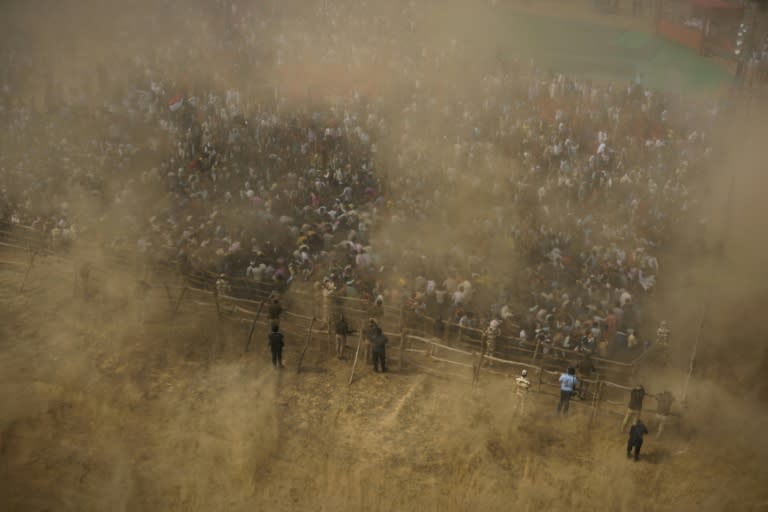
<point>455,145</point>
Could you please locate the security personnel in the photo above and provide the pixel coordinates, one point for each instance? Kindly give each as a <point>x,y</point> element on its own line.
<point>276,346</point>
<point>635,441</point>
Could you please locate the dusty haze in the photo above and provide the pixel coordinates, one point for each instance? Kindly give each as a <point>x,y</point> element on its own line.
<point>97,413</point>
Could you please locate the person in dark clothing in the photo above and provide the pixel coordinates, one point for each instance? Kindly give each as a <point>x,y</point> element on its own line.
<point>635,441</point>
<point>378,348</point>
<point>370,333</point>
<point>274,312</point>
<point>585,367</point>
<point>342,330</point>
<point>635,407</point>
<point>276,346</point>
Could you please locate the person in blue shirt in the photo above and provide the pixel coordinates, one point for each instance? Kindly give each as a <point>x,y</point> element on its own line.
<point>568,383</point>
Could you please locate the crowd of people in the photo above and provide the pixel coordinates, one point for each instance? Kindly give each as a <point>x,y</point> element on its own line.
<point>514,200</point>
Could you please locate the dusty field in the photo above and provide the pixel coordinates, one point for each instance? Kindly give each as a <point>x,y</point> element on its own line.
<point>96,415</point>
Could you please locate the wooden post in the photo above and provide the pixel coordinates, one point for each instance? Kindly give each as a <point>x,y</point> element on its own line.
<point>541,374</point>
<point>74,287</point>
<point>402,350</point>
<point>476,376</point>
<point>536,351</point>
<point>170,297</point>
<point>250,334</point>
<point>178,302</point>
<point>402,317</point>
<point>29,269</point>
<point>357,352</point>
<point>216,300</point>
<point>258,311</point>
<point>306,345</point>
<point>596,400</point>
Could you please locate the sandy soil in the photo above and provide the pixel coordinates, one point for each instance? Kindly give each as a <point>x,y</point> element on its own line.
<point>97,415</point>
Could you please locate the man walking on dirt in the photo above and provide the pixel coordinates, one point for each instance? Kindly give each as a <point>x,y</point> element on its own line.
<point>635,407</point>
<point>568,383</point>
<point>276,346</point>
<point>635,441</point>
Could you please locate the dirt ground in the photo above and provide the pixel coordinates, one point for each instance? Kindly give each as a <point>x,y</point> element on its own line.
<point>96,414</point>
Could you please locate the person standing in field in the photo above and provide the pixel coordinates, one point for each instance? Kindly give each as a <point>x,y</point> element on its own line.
<point>342,330</point>
<point>635,441</point>
<point>274,312</point>
<point>568,383</point>
<point>522,387</point>
<point>276,344</point>
<point>379,349</point>
<point>635,407</point>
<point>663,410</point>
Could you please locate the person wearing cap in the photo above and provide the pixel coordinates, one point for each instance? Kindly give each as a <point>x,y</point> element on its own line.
<point>276,345</point>
<point>568,383</point>
<point>635,407</point>
<point>635,441</point>
<point>522,387</point>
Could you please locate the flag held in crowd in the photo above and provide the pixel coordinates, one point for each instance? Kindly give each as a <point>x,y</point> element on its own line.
<point>176,102</point>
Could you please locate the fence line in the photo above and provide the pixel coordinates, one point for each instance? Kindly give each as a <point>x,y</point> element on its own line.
<point>243,315</point>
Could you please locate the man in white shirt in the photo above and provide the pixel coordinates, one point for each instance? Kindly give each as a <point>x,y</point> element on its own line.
<point>522,387</point>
